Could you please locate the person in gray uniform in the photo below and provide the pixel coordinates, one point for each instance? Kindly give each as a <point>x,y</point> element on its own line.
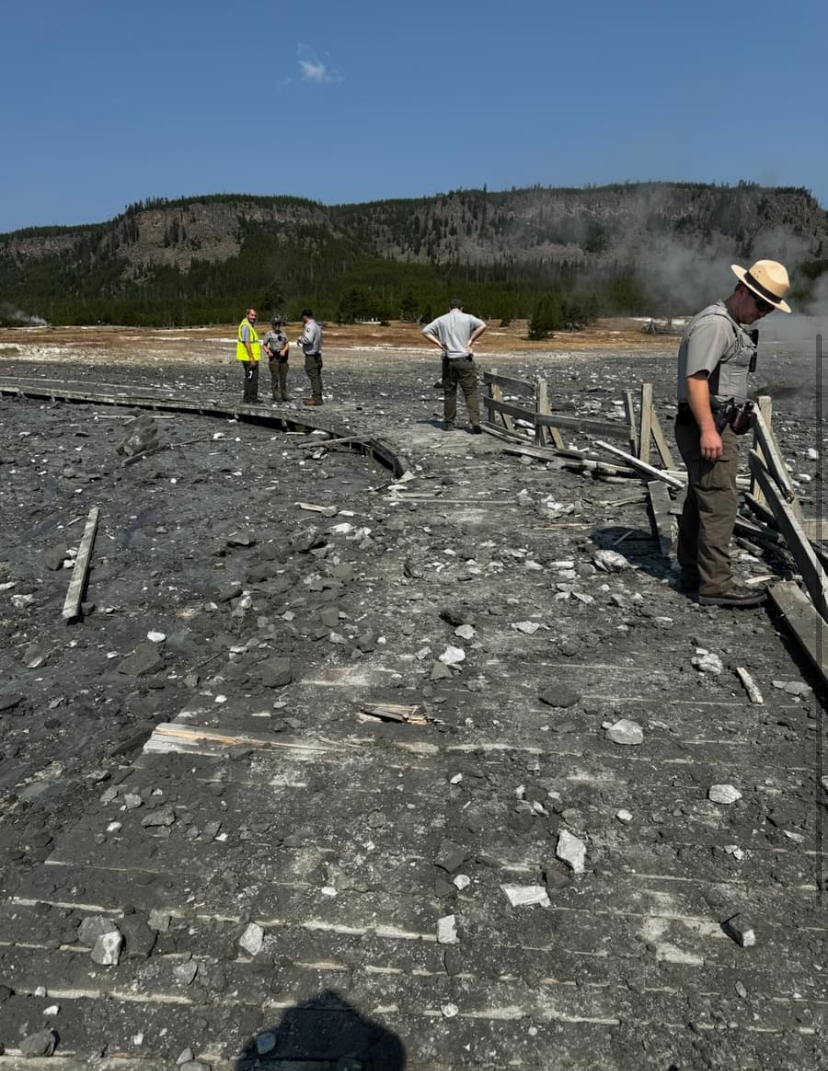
<point>456,333</point>
<point>311,342</point>
<point>714,358</point>
<point>277,348</point>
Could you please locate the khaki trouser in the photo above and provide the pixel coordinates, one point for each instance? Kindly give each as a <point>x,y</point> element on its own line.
<point>709,513</point>
<point>313,367</point>
<point>278,379</point>
<point>251,381</point>
<point>462,371</point>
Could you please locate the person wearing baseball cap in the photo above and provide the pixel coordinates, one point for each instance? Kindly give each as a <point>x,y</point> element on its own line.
<point>714,358</point>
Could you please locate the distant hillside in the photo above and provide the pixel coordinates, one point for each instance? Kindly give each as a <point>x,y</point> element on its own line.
<point>202,259</point>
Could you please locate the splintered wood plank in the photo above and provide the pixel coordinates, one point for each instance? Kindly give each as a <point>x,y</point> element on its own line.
<point>775,464</point>
<point>642,466</point>
<point>661,442</point>
<point>510,382</point>
<point>495,382</point>
<point>660,517</point>
<point>544,434</point>
<point>77,584</point>
<point>174,736</point>
<point>587,425</point>
<point>632,429</point>
<point>765,406</point>
<point>810,567</point>
<point>646,421</point>
<point>808,627</point>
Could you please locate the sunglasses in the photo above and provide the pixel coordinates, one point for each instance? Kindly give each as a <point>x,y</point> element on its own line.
<point>763,306</point>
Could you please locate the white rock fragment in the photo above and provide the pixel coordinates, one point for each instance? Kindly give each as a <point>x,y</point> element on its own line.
<point>252,939</point>
<point>735,851</point>
<point>529,628</point>
<point>458,777</point>
<point>610,561</point>
<point>462,881</point>
<point>449,1011</point>
<point>53,1009</point>
<point>108,948</point>
<point>707,662</point>
<point>724,794</point>
<point>624,816</point>
<point>625,731</point>
<point>447,930</point>
<point>572,850</point>
<point>156,637</point>
<point>453,656</point>
<point>465,632</point>
<point>526,895</point>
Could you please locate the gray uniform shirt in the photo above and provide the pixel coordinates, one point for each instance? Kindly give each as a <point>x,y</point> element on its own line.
<point>311,338</point>
<point>275,342</point>
<point>454,331</point>
<point>714,343</point>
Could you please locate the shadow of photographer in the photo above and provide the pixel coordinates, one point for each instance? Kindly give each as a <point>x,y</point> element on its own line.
<point>326,1033</point>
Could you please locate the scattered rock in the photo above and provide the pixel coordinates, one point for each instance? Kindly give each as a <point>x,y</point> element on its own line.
<point>452,656</point>
<point>145,659</point>
<point>276,672</point>
<point>624,816</point>
<point>40,1044</point>
<point>526,895</point>
<point>447,930</point>
<point>572,850</point>
<point>185,972</point>
<point>450,856</point>
<point>706,662</point>
<point>94,927</point>
<point>107,949</point>
<point>559,695</point>
<point>55,556</point>
<point>724,794</point>
<point>740,928</point>
<point>161,816</point>
<point>252,939</point>
<point>610,561</point>
<point>265,1042</point>
<point>626,732</point>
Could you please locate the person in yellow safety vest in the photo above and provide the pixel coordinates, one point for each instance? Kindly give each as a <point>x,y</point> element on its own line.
<point>249,352</point>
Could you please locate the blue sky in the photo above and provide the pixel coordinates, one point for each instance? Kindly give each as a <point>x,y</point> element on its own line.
<point>106,103</point>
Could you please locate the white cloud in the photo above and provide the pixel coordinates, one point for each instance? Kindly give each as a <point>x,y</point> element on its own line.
<point>312,69</point>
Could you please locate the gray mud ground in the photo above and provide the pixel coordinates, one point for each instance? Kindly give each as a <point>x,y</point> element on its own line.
<point>345,841</point>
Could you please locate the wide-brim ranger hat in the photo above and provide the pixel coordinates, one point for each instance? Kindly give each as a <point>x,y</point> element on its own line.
<point>768,279</point>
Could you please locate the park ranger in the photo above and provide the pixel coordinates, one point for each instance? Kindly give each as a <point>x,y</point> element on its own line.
<point>716,354</point>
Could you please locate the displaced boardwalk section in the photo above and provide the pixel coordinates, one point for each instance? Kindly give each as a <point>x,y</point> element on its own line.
<point>542,848</point>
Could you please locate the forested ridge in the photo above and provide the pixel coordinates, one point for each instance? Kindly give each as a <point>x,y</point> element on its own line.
<point>561,256</point>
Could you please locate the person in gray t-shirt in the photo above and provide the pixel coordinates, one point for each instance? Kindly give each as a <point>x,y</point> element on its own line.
<point>455,333</point>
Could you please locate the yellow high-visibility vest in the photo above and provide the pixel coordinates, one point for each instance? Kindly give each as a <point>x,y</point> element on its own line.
<point>255,345</point>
